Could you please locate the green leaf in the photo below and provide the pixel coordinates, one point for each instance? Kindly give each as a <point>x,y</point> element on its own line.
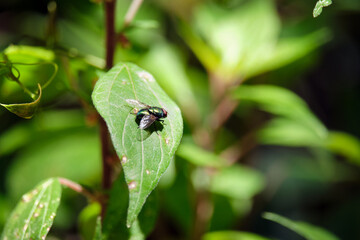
<point>230,43</point>
<point>232,235</point>
<point>178,202</point>
<point>35,213</point>
<point>237,182</point>
<point>115,227</point>
<point>173,78</point>
<point>319,6</point>
<point>204,53</point>
<point>287,132</point>
<point>283,103</point>
<point>326,2</point>
<point>24,110</point>
<point>28,66</point>
<point>288,50</point>
<point>88,220</point>
<point>145,155</point>
<point>199,156</point>
<point>98,233</point>
<point>318,9</point>
<point>345,145</point>
<point>308,231</point>
<point>27,54</point>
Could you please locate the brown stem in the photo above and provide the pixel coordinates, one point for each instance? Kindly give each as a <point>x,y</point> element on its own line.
<point>204,211</point>
<point>223,112</point>
<point>104,133</point>
<point>110,32</point>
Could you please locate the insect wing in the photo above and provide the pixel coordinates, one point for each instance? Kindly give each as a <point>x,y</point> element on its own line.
<point>146,121</point>
<point>137,103</point>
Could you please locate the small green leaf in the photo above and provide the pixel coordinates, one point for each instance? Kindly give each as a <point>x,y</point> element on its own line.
<point>319,6</point>
<point>287,132</point>
<point>284,103</point>
<point>24,110</point>
<point>345,145</point>
<point>308,231</point>
<point>98,233</point>
<point>27,54</point>
<point>232,235</point>
<point>288,50</point>
<point>318,9</point>
<point>237,182</point>
<point>35,213</point>
<point>88,220</point>
<point>225,41</point>
<point>199,156</point>
<point>145,155</point>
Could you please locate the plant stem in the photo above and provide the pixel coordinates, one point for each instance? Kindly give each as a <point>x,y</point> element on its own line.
<point>104,133</point>
<point>134,7</point>
<point>110,32</point>
<point>77,188</point>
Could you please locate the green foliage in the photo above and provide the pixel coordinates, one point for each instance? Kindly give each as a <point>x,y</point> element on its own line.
<point>144,158</point>
<point>89,220</point>
<point>33,216</point>
<point>232,235</point>
<point>24,110</point>
<point>71,153</point>
<point>232,48</point>
<point>345,145</point>
<point>199,157</point>
<point>24,55</point>
<point>174,78</point>
<point>202,188</point>
<point>306,230</point>
<point>296,124</point>
<point>319,6</point>
<point>115,223</point>
<point>98,234</point>
<point>237,182</point>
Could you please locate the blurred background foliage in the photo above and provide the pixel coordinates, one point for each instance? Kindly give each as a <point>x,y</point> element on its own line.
<point>270,99</point>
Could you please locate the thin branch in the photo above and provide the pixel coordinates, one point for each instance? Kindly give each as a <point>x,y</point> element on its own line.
<point>110,32</point>
<point>77,188</point>
<point>134,7</point>
<point>106,153</point>
<point>223,112</point>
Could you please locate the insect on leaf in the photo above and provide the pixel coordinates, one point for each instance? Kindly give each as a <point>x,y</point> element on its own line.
<point>144,160</point>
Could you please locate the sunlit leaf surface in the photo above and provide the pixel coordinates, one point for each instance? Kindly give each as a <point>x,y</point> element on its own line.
<point>144,154</point>
<point>308,231</point>
<point>319,6</point>
<point>35,213</point>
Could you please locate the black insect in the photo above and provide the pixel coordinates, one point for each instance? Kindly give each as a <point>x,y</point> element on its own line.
<point>147,115</point>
